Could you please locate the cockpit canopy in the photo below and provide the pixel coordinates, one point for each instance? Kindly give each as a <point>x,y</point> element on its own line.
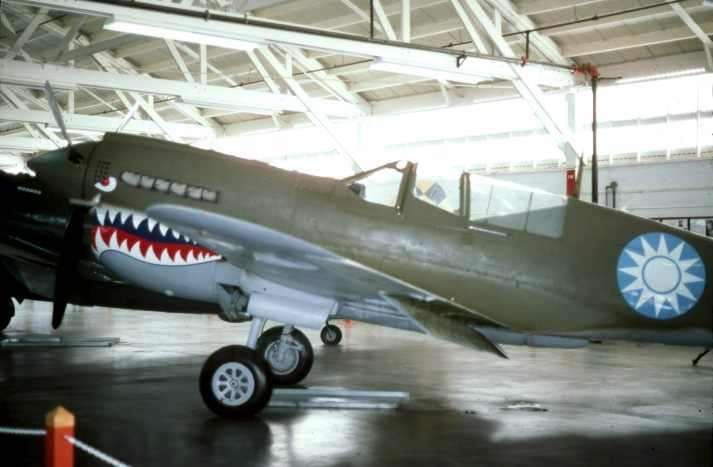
<point>380,185</point>
<point>482,200</point>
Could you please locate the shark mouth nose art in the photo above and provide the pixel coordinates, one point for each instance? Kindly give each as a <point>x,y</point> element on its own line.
<point>144,239</point>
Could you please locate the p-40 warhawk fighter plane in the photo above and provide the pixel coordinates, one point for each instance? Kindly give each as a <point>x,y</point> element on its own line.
<point>473,261</point>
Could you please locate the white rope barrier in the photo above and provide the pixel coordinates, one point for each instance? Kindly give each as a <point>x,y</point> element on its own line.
<point>22,431</point>
<point>83,446</point>
<point>95,452</point>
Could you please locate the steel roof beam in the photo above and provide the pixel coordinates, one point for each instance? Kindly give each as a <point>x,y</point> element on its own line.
<point>335,85</point>
<point>469,27</point>
<point>96,47</point>
<point>170,133</point>
<point>80,122</point>
<point>315,115</point>
<point>266,33</point>
<point>359,12</point>
<point>537,7</point>
<point>103,59</point>
<point>635,40</point>
<point>25,144</point>
<point>471,96</point>
<point>17,102</point>
<point>384,20</point>
<point>659,13</point>
<point>180,63</point>
<point>406,20</point>
<point>528,88</point>
<point>5,22</point>
<point>66,45</point>
<point>32,74</point>
<point>25,35</point>
<point>107,61</point>
<point>208,66</point>
<point>698,31</point>
<point>521,22</point>
<point>263,72</point>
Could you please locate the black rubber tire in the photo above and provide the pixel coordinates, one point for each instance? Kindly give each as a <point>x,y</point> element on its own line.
<point>6,313</point>
<point>245,356</point>
<point>306,356</point>
<point>331,335</point>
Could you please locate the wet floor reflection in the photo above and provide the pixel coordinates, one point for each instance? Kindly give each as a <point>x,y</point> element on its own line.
<point>608,404</point>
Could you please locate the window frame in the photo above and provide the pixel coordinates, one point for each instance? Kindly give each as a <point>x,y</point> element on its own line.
<point>465,186</point>
<point>407,176</point>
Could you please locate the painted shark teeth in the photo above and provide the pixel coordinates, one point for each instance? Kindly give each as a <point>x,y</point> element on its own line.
<point>145,239</point>
<point>137,219</point>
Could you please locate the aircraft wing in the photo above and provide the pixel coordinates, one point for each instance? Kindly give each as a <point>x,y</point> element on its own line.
<point>304,266</point>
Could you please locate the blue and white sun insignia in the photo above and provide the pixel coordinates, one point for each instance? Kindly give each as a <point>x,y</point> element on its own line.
<point>660,275</point>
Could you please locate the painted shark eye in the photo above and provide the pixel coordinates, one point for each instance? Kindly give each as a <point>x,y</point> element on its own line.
<point>178,188</point>
<point>147,182</point>
<point>131,178</point>
<point>162,185</point>
<point>194,192</point>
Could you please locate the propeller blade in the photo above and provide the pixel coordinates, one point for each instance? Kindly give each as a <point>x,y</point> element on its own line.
<point>65,274</point>
<point>72,155</point>
<point>58,309</point>
<point>54,107</point>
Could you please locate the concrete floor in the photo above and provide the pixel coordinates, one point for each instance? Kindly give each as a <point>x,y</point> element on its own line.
<point>610,404</point>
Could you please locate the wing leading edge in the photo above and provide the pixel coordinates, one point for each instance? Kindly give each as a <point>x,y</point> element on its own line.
<point>304,266</point>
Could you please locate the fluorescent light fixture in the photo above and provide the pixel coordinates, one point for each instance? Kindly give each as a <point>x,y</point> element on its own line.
<point>132,27</point>
<point>672,74</point>
<point>426,72</point>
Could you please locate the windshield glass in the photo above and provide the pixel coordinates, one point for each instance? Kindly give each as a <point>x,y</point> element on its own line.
<point>380,185</point>
<point>438,186</point>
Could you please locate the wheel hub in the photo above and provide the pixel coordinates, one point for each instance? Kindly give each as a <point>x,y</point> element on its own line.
<point>283,357</point>
<point>233,384</point>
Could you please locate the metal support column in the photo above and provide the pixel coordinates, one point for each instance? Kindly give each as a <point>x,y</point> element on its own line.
<point>595,167</point>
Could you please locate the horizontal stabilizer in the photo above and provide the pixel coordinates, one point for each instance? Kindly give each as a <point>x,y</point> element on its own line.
<point>444,321</point>
<point>509,337</point>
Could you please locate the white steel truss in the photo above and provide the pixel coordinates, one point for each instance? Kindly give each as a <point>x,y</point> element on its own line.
<point>327,90</point>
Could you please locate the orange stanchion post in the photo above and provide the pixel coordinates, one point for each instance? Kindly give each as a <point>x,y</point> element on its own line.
<point>58,451</point>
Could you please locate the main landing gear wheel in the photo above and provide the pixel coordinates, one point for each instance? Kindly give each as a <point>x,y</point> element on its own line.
<point>233,383</point>
<point>331,335</point>
<point>288,356</point>
<point>7,311</point>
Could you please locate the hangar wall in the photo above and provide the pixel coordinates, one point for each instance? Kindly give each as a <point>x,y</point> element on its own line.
<point>666,189</point>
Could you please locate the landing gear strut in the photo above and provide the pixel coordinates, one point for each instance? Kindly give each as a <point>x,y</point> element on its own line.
<point>7,311</point>
<point>237,380</point>
<point>331,335</point>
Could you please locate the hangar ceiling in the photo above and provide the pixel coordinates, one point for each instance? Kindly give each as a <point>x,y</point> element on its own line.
<point>158,79</point>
